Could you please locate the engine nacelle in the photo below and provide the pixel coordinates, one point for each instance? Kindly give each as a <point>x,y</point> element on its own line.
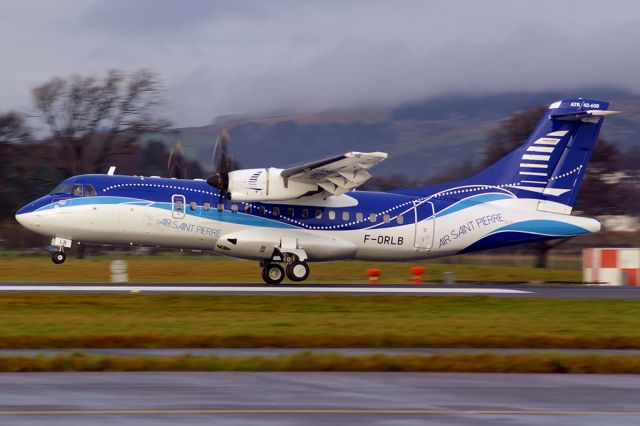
<point>265,185</point>
<point>260,245</point>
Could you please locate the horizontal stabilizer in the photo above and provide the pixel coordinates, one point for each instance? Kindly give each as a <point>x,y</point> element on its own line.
<point>583,115</point>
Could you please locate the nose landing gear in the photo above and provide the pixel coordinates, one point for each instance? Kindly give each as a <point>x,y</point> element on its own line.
<point>58,257</point>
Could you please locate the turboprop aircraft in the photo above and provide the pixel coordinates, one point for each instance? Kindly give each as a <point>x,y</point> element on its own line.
<point>312,212</point>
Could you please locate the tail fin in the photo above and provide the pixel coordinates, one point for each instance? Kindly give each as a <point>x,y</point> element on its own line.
<point>550,165</point>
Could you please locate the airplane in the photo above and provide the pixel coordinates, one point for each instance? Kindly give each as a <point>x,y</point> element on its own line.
<point>286,218</point>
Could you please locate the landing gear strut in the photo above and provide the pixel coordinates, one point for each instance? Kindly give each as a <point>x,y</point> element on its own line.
<point>58,257</point>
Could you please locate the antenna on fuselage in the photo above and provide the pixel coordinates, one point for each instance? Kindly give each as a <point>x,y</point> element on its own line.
<point>112,170</point>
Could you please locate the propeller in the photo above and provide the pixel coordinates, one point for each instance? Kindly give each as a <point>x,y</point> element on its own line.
<point>175,163</point>
<point>223,162</point>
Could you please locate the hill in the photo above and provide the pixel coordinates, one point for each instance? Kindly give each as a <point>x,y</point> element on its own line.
<point>423,138</point>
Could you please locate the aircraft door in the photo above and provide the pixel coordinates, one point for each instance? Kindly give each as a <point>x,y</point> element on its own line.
<point>178,206</point>
<point>424,225</point>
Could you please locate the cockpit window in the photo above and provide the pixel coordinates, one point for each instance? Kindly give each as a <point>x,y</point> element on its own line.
<point>63,188</point>
<point>77,190</point>
<point>89,191</point>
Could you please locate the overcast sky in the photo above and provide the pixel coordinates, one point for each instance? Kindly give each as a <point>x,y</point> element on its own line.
<point>253,56</point>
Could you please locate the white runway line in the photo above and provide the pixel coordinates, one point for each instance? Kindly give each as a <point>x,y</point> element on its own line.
<point>257,289</point>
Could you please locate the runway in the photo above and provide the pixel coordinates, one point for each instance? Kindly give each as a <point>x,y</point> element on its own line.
<point>504,290</point>
<point>317,399</point>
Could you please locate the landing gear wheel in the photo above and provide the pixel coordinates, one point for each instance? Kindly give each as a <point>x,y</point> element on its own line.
<point>58,257</point>
<point>297,271</point>
<point>272,273</point>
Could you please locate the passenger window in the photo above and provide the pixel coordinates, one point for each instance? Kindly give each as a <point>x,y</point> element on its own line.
<point>359,217</point>
<point>178,206</point>
<point>261,210</point>
<point>373,218</point>
<point>76,190</point>
<point>318,214</point>
<point>290,212</point>
<point>247,208</point>
<point>193,206</point>
<point>345,215</point>
<point>276,211</point>
<point>332,215</point>
<point>89,191</point>
<point>400,219</point>
<point>234,208</point>
<point>304,213</point>
<point>386,218</point>
<point>220,207</point>
<point>206,206</point>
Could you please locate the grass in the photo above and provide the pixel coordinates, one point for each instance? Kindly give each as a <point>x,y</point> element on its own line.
<point>488,362</point>
<point>41,320</point>
<point>223,270</point>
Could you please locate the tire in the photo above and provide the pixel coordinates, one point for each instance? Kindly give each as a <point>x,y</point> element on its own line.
<point>58,257</point>
<point>297,271</point>
<point>272,273</point>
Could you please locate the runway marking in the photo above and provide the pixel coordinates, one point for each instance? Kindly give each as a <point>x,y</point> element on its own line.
<point>257,289</point>
<point>324,411</point>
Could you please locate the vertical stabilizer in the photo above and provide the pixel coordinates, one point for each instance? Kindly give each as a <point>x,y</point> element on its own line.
<point>551,163</point>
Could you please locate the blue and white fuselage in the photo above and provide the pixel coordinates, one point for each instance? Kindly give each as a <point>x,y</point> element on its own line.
<point>527,196</point>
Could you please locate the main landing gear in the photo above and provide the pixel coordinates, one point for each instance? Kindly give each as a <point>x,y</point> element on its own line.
<point>272,273</point>
<point>295,270</point>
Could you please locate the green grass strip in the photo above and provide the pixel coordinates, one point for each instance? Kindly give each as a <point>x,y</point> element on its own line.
<point>306,361</point>
<point>215,269</point>
<point>44,320</point>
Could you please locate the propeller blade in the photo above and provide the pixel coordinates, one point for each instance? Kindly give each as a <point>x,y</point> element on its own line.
<point>223,163</point>
<point>176,167</point>
<point>169,159</point>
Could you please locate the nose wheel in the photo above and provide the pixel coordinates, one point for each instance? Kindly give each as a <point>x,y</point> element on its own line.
<point>58,257</point>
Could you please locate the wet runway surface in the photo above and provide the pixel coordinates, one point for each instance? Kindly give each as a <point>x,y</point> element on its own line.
<point>503,290</point>
<point>224,398</point>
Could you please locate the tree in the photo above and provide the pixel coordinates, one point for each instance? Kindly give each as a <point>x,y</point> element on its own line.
<point>13,128</point>
<point>511,133</point>
<point>24,172</point>
<point>86,116</point>
<point>13,131</point>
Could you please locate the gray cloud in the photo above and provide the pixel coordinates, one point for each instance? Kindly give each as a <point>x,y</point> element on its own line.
<point>153,17</point>
<point>249,56</point>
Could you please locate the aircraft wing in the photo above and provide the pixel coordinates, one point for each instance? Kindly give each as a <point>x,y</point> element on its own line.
<point>338,174</point>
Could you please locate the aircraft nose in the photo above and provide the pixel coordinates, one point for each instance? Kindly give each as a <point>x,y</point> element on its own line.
<point>27,215</point>
<point>28,220</point>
